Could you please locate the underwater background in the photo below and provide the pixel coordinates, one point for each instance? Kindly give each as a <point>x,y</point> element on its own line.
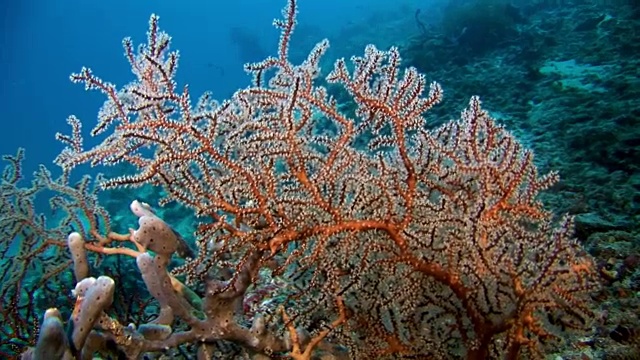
<point>563,76</point>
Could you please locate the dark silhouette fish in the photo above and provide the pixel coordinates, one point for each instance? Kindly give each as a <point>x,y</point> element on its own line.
<point>248,45</point>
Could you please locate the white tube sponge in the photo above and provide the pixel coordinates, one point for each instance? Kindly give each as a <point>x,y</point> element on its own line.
<point>93,297</point>
<point>173,241</point>
<point>158,282</point>
<point>153,233</point>
<point>52,341</point>
<point>79,256</point>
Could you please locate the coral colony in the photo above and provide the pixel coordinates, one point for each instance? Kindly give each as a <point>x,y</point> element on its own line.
<point>428,243</point>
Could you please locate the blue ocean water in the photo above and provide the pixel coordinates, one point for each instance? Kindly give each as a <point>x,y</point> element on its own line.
<point>561,75</point>
<point>44,42</point>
